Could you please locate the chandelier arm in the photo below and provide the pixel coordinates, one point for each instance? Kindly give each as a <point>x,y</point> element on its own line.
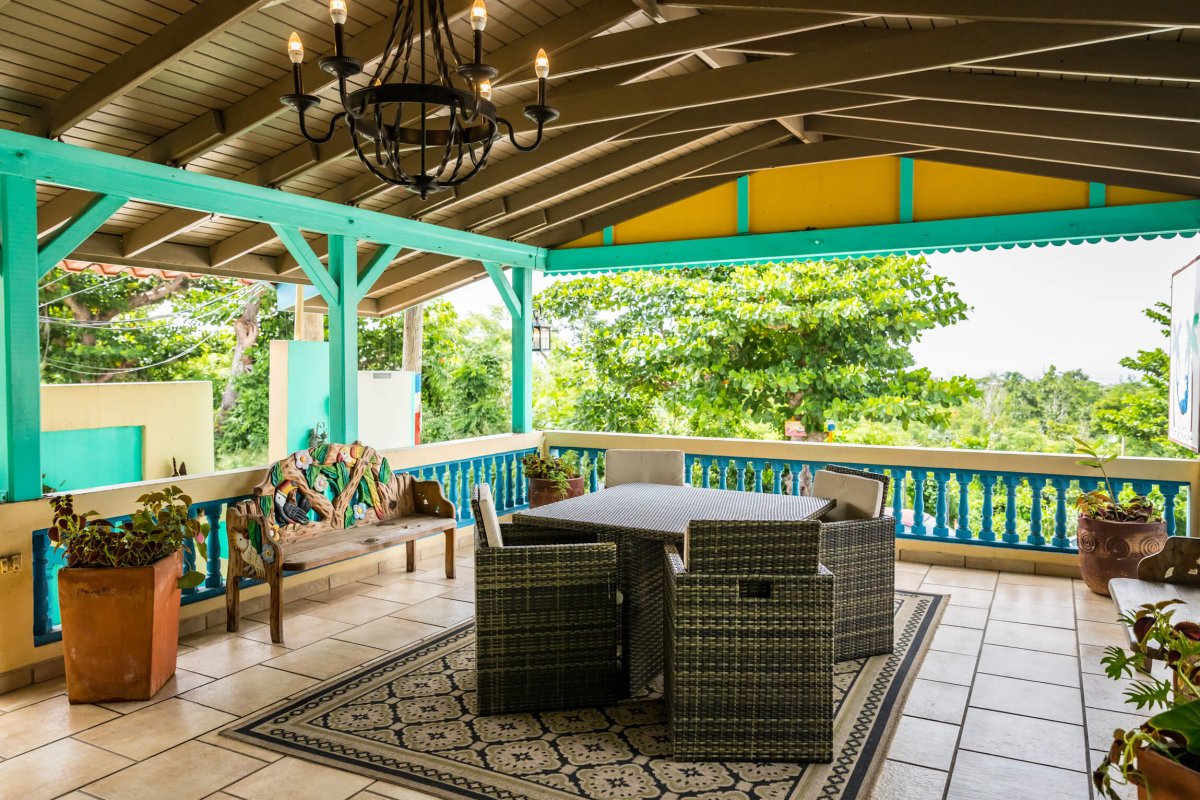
<point>512,136</point>
<point>328,134</point>
<point>450,38</point>
<point>487,149</point>
<point>391,42</point>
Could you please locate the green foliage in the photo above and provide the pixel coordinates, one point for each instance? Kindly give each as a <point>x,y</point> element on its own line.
<point>155,531</point>
<point>739,350</point>
<point>557,469</point>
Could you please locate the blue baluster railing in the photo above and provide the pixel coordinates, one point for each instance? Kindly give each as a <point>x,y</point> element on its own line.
<point>1035,512</point>
<point>941,512</point>
<point>962,525</point>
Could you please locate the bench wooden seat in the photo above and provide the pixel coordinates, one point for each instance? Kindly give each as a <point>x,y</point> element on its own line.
<point>1171,574</point>
<point>324,505</point>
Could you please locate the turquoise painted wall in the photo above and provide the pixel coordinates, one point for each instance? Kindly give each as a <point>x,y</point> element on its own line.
<point>88,457</point>
<point>308,391</point>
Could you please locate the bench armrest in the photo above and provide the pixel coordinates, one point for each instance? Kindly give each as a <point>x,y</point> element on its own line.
<point>1177,562</point>
<point>508,569</point>
<point>518,535</point>
<point>428,499</point>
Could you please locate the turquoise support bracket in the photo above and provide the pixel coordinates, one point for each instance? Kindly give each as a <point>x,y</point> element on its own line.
<point>64,241</point>
<point>906,189</point>
<point>309,262</point>
<point>19,356</point>
<point>1097,195</point>
<point>508,294</point>
<point>380,260</point>
<point>517,295</point>
<point>1006,230</point>
<point>743,204</point>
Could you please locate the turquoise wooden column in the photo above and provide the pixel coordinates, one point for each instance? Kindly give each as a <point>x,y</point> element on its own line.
<point>343,286</point>
<point>517,295</point>
<point>19,359</point>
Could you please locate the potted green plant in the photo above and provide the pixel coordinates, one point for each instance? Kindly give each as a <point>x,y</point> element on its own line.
<point>118,594</point>
<point>1114,534</point>
<point>1162,757</point>
<point>552,478</point>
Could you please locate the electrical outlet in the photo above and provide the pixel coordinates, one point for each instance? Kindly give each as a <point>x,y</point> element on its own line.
<point>10,563</point>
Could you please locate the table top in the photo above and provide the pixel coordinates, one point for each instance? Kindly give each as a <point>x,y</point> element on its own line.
<point>663,512</point>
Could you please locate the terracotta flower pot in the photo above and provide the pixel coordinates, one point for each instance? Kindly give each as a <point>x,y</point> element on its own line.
<point>1167,779</point>
<point>1110,550</point>
<point>543,492</point>
<point>120,629</point>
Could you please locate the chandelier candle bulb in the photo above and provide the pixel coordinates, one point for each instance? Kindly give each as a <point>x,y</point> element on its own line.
<point>338,11</point>
<point>541,64</point>
<point>485,90</point>
<point>295,51</point>
<point>478,16</point>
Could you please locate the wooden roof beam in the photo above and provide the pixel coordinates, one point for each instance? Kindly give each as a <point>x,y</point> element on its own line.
<point>1169,13</point>
<point>1149,59</point>
<point>793,155</point>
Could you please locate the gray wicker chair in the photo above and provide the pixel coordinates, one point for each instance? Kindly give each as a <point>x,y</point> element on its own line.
<point>861,554</point>
<point>545,619</point>
<point>749,644</point>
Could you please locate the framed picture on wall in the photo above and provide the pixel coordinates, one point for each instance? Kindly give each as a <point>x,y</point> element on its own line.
<point>1183,421</point>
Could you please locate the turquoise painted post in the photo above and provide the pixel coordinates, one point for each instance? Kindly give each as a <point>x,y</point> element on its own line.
<point>743,204</point>
<point>776,478</point>
<point>20,368</point>
<point>986,533</point>
<point>740,471</point>
<point>918,525</point>
<point>343,341</point>
<point>906,190</point>
<point>606,235</point>
<point>897,498</point>
<point>1010,509</point>
<point>941,512</point>
<point>1169,493</point>
<point>1060,512</point>
<point>962,526</point>
<point>1097,195</point>
<point>1035,512</point>
<point>723,476</point>
<point>522,352</point>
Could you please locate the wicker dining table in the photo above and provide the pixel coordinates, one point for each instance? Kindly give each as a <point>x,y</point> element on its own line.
<point>641,518</point>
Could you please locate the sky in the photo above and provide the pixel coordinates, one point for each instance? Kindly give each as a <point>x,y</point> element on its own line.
<point>1070,306</point>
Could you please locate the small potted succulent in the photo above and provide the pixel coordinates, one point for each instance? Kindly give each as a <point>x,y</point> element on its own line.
<point>1113,534</point>
<point>118,594</point>
<point>1162,757</point>
<point>552,478</point>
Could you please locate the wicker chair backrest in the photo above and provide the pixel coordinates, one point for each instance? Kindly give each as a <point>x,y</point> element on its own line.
<point>740,547</point>
<point>862,473</point>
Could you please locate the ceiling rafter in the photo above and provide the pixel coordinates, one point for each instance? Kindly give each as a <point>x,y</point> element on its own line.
<point>1148,59</point>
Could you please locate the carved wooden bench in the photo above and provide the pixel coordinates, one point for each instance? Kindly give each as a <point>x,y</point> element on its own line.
<point>1171,574</point>
<point>324,505</point>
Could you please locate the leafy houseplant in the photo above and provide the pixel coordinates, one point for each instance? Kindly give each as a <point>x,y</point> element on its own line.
<point>552,478</point>
<point>119,594</point>
<point>1162,757</point>
<point>1114,533</point>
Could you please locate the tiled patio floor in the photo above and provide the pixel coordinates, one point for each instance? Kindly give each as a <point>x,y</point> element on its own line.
<point>1010,700</point>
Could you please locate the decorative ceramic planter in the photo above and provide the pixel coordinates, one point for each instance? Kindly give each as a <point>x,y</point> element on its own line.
<point>1167,779</point>
<point>543,492</point>
<point>120,629</point>
<point>1110,550</point>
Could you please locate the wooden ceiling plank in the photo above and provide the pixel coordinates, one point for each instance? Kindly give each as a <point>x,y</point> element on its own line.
<point>792,155</point>
<point>1148,59</point>
<point>1168,13</point>
<point>427,290</point>
<point>158,51</point>
<point>107,249</point>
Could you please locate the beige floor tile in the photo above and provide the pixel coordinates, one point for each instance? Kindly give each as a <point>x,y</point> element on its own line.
<point>343,591</point>
<point>155,728</point>
<point>1089,658</point>
<point>1030,637</point>
<point>912,566</point>
<point>441,611</point>
<point>55,769</point>
<point>1058,744</point>
<point>388,633</point>
<point>951,639</point>
<point>1101,724</point>
<point>41,723</point>
<point>249,690</point>
<point>1018,594</point>
<point>302,606</point>
<point>948,668</point>
<point>1098,609</point>
<point>36,693</point>
<point>924,742</point>
<point>1030,665</point>
<point>942,702</point>
<point>326,658</point>
<point>229,656</point>
<point>396,792</point>
<point>959,596</point>
<point>1031,698</point>
<point>179,683</point>
<point>387,577</point>
<point>979,776</point>
<point>219,634</point>
<point>1029,579</point>
<point>900,781</point>
<point>1101,691</point>
<point>461,575</point>
<point>254,751</point>
<point>1053,616</point>
<point>355,610</point>
<point>293,779</point>
<point>301,630</point>
<point>909,581</point>
<point>965,617</point>
<point>408,592</point>
<point>966,578</point>
<point>191,771</point>
<point>1101,634</point>
<point>466,594</point>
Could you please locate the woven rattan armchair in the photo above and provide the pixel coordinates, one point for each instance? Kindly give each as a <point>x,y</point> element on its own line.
<point>545,618</point>
<point>749,644</point>
<point>861,554</point>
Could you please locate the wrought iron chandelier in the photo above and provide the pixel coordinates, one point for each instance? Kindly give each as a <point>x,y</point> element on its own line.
<point>412,125</point>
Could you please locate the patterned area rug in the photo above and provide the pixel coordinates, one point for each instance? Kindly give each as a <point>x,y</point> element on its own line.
<point>408,719</point>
